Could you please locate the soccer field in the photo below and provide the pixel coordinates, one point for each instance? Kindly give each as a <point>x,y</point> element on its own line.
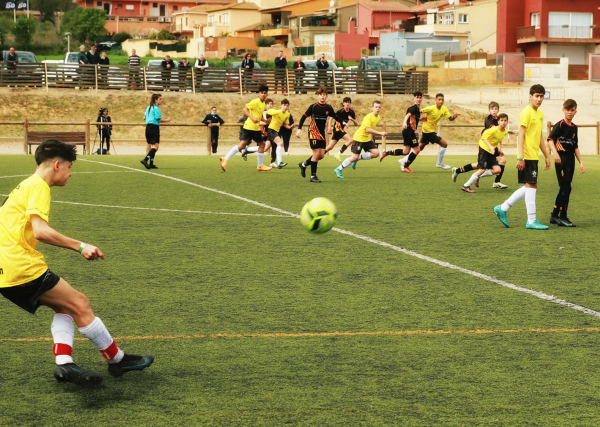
<point>419,308</point>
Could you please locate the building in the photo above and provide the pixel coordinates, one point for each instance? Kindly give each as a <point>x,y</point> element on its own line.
<point>228,19</point>
<point>549,28</point>
<point>402,46</point>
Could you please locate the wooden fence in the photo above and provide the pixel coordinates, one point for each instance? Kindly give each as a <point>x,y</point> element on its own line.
<point>231,80</point>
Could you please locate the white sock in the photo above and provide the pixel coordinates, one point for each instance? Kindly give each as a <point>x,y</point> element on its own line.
<point>530,204</point>
<point>279,154</point>
<point>405,158</point>
<point>441,154</point>
<point>260,158</point>
<point>97,333</point>
<point>365,156</point>
<point>471,181</point>
<point>487,173</point>
<point>234,150</point>
<point>345,163</point>
<point>63,332</point>
<point>252,149</point>
<point>513,199</point>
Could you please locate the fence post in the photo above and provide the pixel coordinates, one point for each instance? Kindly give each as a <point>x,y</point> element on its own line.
<point>380,83</point>
<point>334,85</point>
<point>145,82</point>
<point>25,137</point>
<point>87,136</point>
<point>46,74</point>
<point>194,81</point>
<point>240,74</point>
<point>96,76</point>
<point>597,137</point>
<point>287,80</point>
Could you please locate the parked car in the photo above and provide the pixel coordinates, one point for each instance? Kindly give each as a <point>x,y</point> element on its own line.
<point>378,63</point>
<point>389,64</point>
<point>155,75</point>
<point>65,71</point>
<point>310,81</point>
<point>108,46</point>
<point>31,76</point>
<point>232,77</point>
<point>24,56</point>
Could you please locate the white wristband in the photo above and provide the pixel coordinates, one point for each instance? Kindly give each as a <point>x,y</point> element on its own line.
<point>81,246</point>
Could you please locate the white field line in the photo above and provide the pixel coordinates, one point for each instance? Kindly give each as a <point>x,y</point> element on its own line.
<point>491,279</point>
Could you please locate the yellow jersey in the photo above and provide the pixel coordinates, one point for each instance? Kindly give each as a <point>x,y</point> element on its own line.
<point>494,136</point>
<point>19,261</point>
<point>256,108</point>
<point>433,117</point>
<point>370,121</point>
<point>278,118</point>
<point>533,120</point>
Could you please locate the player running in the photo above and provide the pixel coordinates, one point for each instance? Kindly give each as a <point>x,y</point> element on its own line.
<point>339,128</point>
<point>279,118</point>
<point>26,280</point>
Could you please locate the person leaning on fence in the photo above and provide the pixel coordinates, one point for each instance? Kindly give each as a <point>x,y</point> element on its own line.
<point>134,63</point>
<point>168,67</point>
<point>103,71</point>
<point>184,69</point>
<point>12,59</point>
<point>247,67</point>
<point>298,65</point>
<point>213,121</point>
<point>322,66</point>
<point>200,65</point>
<point>82,60</point>
<point>280,66</point>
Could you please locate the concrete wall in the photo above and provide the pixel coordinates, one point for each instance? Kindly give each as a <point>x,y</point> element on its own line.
<point>269,53</point>
<point>547,72</point>
<point>347,46</point>
<point>396,45</point>
<point>325,43</point>
<point>451,75</point>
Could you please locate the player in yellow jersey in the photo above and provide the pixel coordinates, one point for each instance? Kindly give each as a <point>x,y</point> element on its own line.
<point>279,119</point>
<point>26,280</point>
<point>434,114</point>
<point>489,144</point>
<point>363,141</point>
<point>264,122</point>
<point>251,131</point>
<point>531,123</point>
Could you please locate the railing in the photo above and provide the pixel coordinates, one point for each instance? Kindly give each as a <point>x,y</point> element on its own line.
<point>525,32</point>
<point>559,32</point>
<point>235,80</point>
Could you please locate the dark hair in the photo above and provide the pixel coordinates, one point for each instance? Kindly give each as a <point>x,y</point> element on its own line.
<point>322,90</point>
<point>212,107</point>
<point>52,149</point>
<point>285,101</point>
<point>418,93</point>
<point>347,99</point>
<point>153,98</point>
<point>502,116</point>
<point>268,101</point>
<point>439,94</point>
<point>263,88</point>
<point>247,55</point>
<point>493,104</point>
<point>569,104</point>
<point>376,102</point>
<point>537,89</point>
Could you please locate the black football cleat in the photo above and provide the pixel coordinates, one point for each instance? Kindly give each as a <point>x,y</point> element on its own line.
<point>145,163</point>
<point>314,178</point>
<point>71,373</point>
<point>302,169</point>
<point>130,362</point>
<point>554,220</point>
<point>565,222</point>
<point>153,166</point>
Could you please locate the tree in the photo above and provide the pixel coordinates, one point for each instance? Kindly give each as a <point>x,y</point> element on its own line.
<point>161,35</point>
<point>6,27</point>
<point>48,8</point>
<point>86,24</point>
<point>24,30</point>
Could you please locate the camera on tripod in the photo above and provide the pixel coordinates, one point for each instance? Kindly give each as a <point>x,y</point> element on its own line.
<point>104,131</point>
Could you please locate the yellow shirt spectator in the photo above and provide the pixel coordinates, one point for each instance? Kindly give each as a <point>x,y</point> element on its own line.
<point>19,261</point>
<point>370,121</point>
<point>533,120</point>
<point>278,118</point>
<point>433,117</point>
<point>494,136</point>
<point>256,108</point>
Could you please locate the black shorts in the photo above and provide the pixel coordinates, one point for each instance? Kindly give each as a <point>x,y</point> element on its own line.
<point>26,295</point>
<point>252,135</point>
<point>272,134</point>
<point>316,144</point>
<point>338,135</point>
<point>430,138</point>
<point>358,146</point>
<point>486,160</point>
<point>529,173</point>
<point>566,168</point>
<point>153,134</point>
<point>411,139</point>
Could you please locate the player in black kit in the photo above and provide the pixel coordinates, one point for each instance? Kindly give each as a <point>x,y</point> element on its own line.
<point>345,115</point>
<point>563,143</point>
<point>322,114</point>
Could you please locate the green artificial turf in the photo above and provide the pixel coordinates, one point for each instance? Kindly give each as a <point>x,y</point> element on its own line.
<point>241,310</point>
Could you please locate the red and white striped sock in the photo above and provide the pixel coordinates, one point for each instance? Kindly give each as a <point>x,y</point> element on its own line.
<point>63,332</point>
<point>97,333</point>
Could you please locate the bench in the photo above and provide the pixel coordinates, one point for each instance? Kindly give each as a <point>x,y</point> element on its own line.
<point>73,138</point>
<point>392,138</point>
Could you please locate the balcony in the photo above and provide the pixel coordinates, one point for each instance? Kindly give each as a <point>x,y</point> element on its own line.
<point>558,34</point>
<point>274,32</point>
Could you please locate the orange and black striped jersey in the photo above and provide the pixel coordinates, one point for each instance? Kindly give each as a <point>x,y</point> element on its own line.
<point>319,113</point>
<point>564,137</point>
<point>415,116</point>
<point>344,117</point>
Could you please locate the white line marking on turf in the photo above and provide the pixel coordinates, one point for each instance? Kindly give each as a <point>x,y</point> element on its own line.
<point>536,294</point>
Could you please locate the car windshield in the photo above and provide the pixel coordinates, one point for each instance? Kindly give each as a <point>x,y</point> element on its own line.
<point>26,57</point>
<point>72,58</point>
<point>382,64</point>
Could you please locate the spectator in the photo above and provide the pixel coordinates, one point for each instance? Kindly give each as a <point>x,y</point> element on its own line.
<point>322,66</point>
<point>247,67</point>
<point>213,121</point>
<point>82,59</point>
<point>103,70</point>
<point>184,69</point>
<point>93,55</point>
<point>298,65</point>
<point>201,64</point>
<point>134,63</point>
<point>104,131</point>
<point>12,58</point>
<point>280,77</point>
<point>168,67</point>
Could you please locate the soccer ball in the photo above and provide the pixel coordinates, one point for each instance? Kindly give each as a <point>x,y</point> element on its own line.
<point>318,215</point>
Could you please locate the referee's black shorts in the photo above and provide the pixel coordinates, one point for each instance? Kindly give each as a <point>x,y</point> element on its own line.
<point>153,134</point>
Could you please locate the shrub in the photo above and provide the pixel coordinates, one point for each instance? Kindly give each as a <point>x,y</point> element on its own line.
<point>265,41</point>
<point>121,37</point>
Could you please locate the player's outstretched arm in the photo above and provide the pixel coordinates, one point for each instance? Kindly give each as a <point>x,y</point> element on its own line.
<point>46,234</point>
<point>453,117</point>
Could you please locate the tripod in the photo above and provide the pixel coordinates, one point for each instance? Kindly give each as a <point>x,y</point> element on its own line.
<point>104,131</point>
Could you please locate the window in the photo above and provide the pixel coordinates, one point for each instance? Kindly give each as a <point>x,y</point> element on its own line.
<point>211,20</point>
<point>535,20</point>
<point>129,7</point>
<point>99,3</point>
<point>446,18</point>
<point>570,25</point>
<point>154,4</point>
<point>144,3</point>
<point>225,19</point>
<point>175,8</point>
<point>463,18</point>
<point>186,21</point>
<point>119,6</point>
<point>89,2</point>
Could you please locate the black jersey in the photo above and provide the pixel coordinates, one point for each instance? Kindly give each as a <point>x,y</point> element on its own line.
<point>490,122</point>
<point>343,116</point>
<point>564,137</point>
<point>415,116</point>
<point>319,113</point>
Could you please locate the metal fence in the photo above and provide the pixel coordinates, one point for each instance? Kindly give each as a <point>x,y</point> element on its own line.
<point>233,80</point>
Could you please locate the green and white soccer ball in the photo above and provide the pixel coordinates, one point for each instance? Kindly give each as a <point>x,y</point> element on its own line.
<point>318,215</point>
